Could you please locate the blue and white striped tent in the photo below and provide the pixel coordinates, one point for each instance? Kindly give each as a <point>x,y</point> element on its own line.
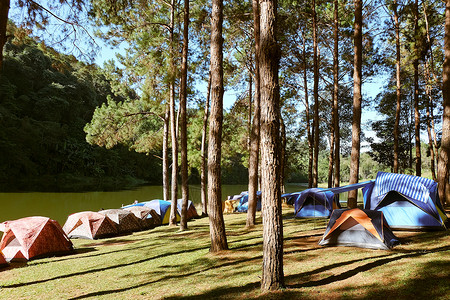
<point>407,202</point>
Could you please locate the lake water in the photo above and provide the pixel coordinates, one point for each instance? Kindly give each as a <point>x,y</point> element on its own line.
<point>58,206</point>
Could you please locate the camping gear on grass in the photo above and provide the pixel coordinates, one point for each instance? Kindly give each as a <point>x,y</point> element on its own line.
<point>407,202</point>
<point>313,202</point>
<point>191,211</point>
<point>243,202</point>
<point>89,225</point>
<point>147,216</point>
<point>125,220</point>
<point>358,228</point>
<point>32,237</point>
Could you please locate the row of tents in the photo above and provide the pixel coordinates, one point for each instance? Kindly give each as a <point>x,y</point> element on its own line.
<point>394,201</point>
<point>390,202</point>
<point>34,237</point>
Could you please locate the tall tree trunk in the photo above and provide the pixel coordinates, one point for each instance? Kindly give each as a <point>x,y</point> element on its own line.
<point>429,106</point>
<point>337,140</point>
<point>166,178</point>
<point>397,76</point>
<point>416,92</point>
<point>433,73</point>
<point>357,100</point>
<point>4,10</point>
<point>216,222</point>
<point>443,162</point>
<point>282,153</point>
<point>255,134</point>
<point>331,156</point>
<point>173,121</point>
<point>308,119</point>
<point>249,116</point>
<point>183,119</point>
<point>203,175</point>
<point>430,137</point>
<point>272,271</point>
<point>316,98</point>
<point>410,131</point>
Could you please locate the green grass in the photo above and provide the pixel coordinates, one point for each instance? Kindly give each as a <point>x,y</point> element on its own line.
<point>164,263</point>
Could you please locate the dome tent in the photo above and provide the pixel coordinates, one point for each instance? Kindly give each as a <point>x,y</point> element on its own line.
<point>407,202</point>
<point>358,228</point>
<point>33,237</point>
<point>125,221</point>
<point>191,211</point>
<point>3,262</point>
<point>313,202</point>
<point>243,202</point>
<point>147,216</point>
<point>89,225</point>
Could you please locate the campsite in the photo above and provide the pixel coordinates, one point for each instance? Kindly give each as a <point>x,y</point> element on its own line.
<point>164,263</point>
<point>129,122</point>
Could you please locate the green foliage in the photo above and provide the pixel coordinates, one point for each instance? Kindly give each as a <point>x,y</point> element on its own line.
<point>46,98</point>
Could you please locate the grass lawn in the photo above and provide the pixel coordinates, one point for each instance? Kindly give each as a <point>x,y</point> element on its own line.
<point>164,263</point>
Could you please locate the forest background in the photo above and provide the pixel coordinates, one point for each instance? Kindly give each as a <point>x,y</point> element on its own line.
<point>47,98</point>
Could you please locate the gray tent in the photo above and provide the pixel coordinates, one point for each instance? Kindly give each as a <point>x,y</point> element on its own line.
<point>125,220</point>
<point>358,228</point>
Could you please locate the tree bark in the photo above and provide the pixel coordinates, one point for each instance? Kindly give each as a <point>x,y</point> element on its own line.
<point>416,92</point>
<point>316,134</point>
<point>443,162</point>
<point>166,178</point>
<point>429,106</point>
<point>272,271</point>
<point>216,222</point>
<point>331,156</point>
<point>173,121</point>
<point>308,127</point>
<point>433,73</point>
<point>337,140</point>
<point>334,107</point>
<point>183,119</point>
<point>255,134</point>
<point>249,116</point>
<point>282,153</point>
<point>398,90</point>
<point>4,11</point>
<point>357,100</point>
<point>203,175</point>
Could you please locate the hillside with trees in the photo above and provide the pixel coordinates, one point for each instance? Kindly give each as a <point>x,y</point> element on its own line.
<point>46,99</point>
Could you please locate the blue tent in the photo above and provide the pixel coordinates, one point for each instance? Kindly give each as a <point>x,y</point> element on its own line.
<point>314,202</point>
<point>243,203</point>
<point>407,202</point>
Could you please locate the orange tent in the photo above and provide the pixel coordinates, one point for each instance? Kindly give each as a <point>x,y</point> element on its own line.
<point>89,225</point>
<point>3,262</point>
<point>358,228</point>
<point>31,237</point>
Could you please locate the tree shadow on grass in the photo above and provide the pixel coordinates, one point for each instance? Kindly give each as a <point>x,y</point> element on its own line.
<point>103,269</point>
<point>293,292</point>
<point>345,275</point>
<point>171,277</point>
